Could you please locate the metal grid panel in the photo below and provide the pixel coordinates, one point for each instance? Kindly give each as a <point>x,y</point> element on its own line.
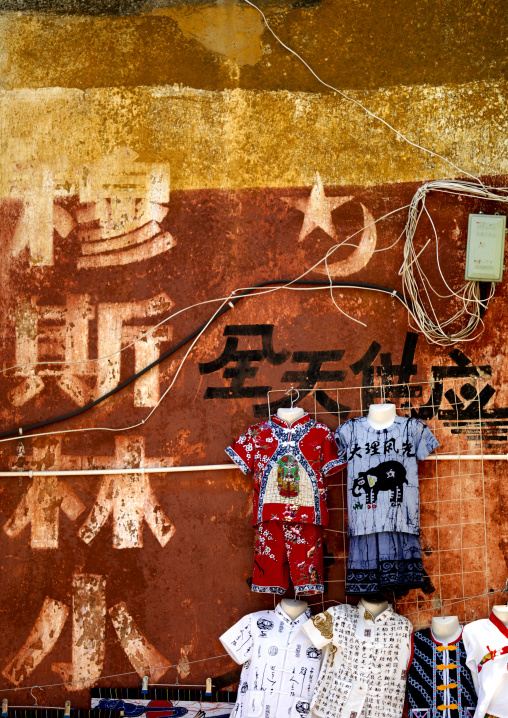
<point>452,497</point>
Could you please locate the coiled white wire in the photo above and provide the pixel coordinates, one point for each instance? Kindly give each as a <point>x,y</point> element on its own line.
<point>431,327</point>
<point>416,286</point>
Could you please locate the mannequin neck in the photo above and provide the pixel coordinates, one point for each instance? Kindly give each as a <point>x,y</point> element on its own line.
<point>290,415</point>
<point>501,612</point>
<point>375,608</point>
<point>446,629</point>
<point>381,416</point>
<point>293,607</point>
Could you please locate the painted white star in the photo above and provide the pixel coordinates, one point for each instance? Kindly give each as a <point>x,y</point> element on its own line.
<point>390,473</point>
<point>317,210</point>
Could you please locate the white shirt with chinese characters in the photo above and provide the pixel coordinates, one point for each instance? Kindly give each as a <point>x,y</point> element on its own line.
<point>280,665</point>
<point>364,665</point>
<point>486,644</point>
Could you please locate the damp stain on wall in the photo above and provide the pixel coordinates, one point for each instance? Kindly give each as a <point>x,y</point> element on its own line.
<point>352,45</point>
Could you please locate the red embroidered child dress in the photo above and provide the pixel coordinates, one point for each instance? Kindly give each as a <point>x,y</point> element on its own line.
<point>289,466</point>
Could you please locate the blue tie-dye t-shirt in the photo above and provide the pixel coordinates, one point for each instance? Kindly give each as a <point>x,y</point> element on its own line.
<point>382,474</point>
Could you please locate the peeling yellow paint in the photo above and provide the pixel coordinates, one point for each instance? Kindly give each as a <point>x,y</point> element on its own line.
<point>145,658</point>
<point>352,44</point>
<point>42,638</point>
<point>241,138</point>
<point>183,664</point>
<point>230,30</point>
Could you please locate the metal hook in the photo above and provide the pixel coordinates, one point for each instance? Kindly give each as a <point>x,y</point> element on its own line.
<point>35,699</point>
<point>290,391</point>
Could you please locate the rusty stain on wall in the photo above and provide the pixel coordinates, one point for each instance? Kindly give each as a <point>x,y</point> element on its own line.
<point>42,638</point>
<point>144,657</point>
<point>100,116</point>
<point>88,632</point>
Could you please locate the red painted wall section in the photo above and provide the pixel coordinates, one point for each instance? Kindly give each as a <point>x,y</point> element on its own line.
<point>116,573</point>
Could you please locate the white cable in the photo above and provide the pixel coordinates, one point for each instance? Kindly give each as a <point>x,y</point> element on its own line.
<point>103,678</point>
<point>351,99</point>
<point>455,187</point>
<point>433,329</point>
<point>113,354</point>
<point>225,300</point>
<point>332,249</point>
<point>415,280</point>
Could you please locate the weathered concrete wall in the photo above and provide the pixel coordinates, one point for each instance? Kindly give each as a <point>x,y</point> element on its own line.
<point>158,155</point>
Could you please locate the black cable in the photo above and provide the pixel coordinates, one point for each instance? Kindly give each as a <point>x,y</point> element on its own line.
<point>358,285</point>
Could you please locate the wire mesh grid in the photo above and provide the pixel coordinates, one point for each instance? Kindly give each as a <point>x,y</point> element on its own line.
<point>452,493</point>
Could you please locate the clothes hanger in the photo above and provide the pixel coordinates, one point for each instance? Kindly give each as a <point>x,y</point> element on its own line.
<point>290,392</point>
<point>66,708</point>
<point>207,686</point>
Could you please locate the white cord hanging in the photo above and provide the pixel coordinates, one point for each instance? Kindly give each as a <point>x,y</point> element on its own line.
<point>433,329</point>
<point>415,283</point>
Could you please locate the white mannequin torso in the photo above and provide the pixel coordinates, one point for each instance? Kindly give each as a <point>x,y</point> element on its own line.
<point>501,612</point>
<point>293,607</point>
<point>381,416</point>
<point>290,415</point>
<point>374,607</point>
<point>446,629</point>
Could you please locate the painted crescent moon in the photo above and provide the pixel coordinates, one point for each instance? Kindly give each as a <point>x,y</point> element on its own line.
<point>361,255</point>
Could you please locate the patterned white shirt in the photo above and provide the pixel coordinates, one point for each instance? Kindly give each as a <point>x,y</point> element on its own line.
<point>280,665</point>
<point>365,662</point>
<point>486,644</point>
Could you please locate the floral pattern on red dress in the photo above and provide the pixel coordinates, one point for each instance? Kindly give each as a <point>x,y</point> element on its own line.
<point>289,466</point>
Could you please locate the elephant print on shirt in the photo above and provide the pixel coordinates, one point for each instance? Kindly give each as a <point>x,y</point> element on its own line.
<point>387,476</point>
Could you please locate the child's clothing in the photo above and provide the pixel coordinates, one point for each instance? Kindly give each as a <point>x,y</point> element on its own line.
<point>280,664</point>
<point>289,465</point>
<point>486,644</point>
<point>365,661</point>
<point>439,682</point>
<point>283,548</point>
<point>384,502</point>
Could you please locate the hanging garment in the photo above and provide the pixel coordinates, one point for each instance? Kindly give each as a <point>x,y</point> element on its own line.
<point>439,683</point>
<point>280,665</point>
<point>382,474</point>
<point>383,497</point>
<point>364,665</point>
<point>384,562</point>
<point>289,466</point>
<point>486,644</point>
<point>288,548</point>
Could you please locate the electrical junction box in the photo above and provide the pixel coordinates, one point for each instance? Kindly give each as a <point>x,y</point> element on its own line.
<point>485,247</point>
